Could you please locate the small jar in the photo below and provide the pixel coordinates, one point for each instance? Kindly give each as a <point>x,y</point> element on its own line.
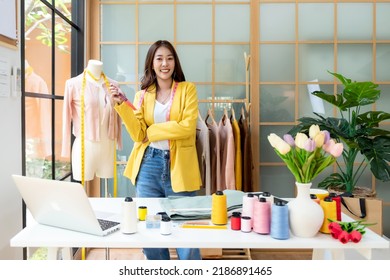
<point>142,212</point>
<point>166,226</point>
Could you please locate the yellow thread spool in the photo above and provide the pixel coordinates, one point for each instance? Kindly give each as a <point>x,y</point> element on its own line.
<point>330,212</point>
<point>219,209</point>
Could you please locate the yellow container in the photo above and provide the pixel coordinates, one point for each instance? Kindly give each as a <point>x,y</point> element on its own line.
<point>320,193</point>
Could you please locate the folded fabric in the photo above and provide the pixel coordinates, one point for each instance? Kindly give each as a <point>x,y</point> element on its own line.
<point>198,207</point>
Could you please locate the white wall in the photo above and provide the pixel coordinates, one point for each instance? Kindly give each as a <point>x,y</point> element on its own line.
<point>10,163</point>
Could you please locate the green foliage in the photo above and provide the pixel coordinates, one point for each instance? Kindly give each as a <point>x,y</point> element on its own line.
<point>359,132</point>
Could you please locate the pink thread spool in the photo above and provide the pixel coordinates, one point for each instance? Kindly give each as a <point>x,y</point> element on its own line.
<point>262,216</point>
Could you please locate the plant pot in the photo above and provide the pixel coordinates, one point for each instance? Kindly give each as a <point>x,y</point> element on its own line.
<point>305,215</point>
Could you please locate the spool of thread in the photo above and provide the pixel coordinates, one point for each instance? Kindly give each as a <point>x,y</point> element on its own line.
<point>142,212</point>
<point>315,198</point>
<point>262,216</point>
<point>129,216</point>
<point>219,209</point>
<point>337,198</point>
<point>166,226</point>
<point>235,221</point>
<point>268,196</point>
<point>246,224</point>
<point>330,212</point>
<point>248,202</point>
<point>279,221</point>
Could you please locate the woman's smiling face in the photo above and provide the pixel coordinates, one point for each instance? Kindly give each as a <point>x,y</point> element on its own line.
<point>163,63</point>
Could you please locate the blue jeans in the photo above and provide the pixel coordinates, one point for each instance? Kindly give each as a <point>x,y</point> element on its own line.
<point>154,180</point>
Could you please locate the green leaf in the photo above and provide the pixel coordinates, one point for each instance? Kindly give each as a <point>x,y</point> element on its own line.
<point>333,180</point>
<point>377,152</point>
<point>372,118</point>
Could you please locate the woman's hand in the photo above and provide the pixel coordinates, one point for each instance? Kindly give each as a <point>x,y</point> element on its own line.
<point>116,94</point>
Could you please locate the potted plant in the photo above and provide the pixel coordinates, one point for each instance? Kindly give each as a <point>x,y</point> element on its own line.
<point>359,131</point>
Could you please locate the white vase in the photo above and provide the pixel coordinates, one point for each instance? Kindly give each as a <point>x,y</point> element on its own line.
<point>305,215</point>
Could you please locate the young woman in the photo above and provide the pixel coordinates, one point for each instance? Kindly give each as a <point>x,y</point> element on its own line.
<point>163,161</point>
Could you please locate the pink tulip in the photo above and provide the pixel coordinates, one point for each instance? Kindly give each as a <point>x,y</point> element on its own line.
<point>310,145</point>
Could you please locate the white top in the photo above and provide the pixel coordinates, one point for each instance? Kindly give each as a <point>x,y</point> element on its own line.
<point>160,116</point>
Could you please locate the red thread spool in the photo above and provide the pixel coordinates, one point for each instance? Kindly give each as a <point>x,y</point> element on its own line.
<point>337,198</point>
<point>235,221</point>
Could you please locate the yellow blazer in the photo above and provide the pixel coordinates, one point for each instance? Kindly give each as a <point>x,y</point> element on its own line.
<point>180,131</point>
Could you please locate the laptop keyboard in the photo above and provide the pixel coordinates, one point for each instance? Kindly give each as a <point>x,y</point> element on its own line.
<point>105,224</point>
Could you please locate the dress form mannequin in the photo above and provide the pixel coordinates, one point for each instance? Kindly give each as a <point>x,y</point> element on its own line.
<point>99,141</point>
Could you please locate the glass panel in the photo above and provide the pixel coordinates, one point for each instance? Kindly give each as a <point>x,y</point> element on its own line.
<point>204,91</point>
<point>384,101</point>
<point>65,7</point>
<point>119,62</point>
<point>277,22</point>
<point>277,103</point>
<point>63,59</point>
<point>230,63</point>
<point>382,62</point>
<point>194,23</point>
<point>149,31</point>
<point>230,92</point>
<point>355,61</point>
<point>305,105</point>
<point>38,136</point>
<point>142,51</point>
<point>354,21</point>
<point>277,180</point>
<point>232,23</point>
<point>316,21</point>
<point>118,23</point>
<point>277,62</point>
<point>38,54</point>
<point>315,60</point>
<point>382,21</point>
<point>196,62</point>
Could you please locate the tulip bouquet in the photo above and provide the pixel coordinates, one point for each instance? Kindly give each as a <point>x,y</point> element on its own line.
<point>306,156</point>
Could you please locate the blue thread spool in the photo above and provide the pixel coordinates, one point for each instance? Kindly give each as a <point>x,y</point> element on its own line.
<point>279,221</point>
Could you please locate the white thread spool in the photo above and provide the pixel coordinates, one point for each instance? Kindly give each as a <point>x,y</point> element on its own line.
<point>129,216</point>
<point>246,224</point>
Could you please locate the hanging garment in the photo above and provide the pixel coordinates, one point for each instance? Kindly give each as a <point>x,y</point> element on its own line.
<point>203,151</point>
<point>246,150</point>
<point>227,151</point>
<point>215,160</point>
<point>238,155</point>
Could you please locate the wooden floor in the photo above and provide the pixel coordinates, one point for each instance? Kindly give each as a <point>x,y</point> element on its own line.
<point>231,254</point>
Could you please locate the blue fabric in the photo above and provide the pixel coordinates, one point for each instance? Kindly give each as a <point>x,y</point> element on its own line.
<point>154,180</point>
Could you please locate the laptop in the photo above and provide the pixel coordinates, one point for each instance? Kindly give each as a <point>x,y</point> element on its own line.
<point>63,204</point>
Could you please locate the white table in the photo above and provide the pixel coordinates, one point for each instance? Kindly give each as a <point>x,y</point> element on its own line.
<point>323,245</point>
